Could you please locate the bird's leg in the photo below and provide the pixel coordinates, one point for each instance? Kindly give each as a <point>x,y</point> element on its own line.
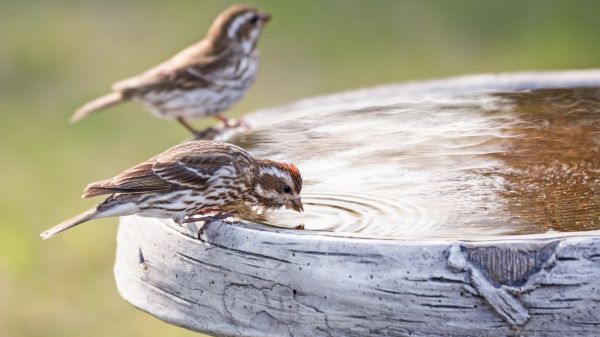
<point>187,125</point>
<point>208,210</point>
<point>216,214</point>
<point>223,119</point>
<point>231,122</point>
<point>208,133</point>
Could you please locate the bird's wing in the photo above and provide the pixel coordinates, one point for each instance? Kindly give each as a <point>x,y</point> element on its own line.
<point>194,171</point>
<point>191,64</point>
<point>170,171</point>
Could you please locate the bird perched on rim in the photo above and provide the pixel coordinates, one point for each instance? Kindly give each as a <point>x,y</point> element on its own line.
<point>191,179</point>
<point>202,80</point>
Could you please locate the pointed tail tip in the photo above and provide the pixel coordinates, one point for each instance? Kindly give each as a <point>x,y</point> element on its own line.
<point>46,235</point>
<point>76,117</point>
<point>83,112</point>
<point>95,105</point>
<point>78,219</point>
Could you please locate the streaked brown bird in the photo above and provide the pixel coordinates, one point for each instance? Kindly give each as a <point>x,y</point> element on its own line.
<point>191,179</point>
<point>202,80</point>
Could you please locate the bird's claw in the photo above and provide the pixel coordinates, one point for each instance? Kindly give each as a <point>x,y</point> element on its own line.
<point>207,134</point>
<point>215,132</point>
<point>208,219</point>
<point>211,218</point>
<point>233,123</point>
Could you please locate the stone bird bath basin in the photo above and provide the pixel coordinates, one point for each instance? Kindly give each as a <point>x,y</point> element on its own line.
<point>460,207</point>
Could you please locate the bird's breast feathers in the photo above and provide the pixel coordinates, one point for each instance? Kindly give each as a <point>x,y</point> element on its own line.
<point>220,91</point>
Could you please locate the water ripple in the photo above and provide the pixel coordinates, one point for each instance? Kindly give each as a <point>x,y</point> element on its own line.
<point>364,213</point>
<point>442,164</point>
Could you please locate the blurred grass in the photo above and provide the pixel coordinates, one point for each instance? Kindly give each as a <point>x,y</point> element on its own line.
<point>55,55</point>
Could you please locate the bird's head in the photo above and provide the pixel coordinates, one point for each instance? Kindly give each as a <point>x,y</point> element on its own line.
<point>239,25</point>
<point>278,185</point>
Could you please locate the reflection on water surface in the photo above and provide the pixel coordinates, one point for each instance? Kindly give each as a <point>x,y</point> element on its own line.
<point>441,165</point>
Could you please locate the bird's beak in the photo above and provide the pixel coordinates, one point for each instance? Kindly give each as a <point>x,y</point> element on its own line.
<point>265,17</point>
<point>296,205</point>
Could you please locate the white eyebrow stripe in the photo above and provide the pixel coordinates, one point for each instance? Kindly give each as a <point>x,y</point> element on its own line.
<point>237,23</point>
<point>274,172</point>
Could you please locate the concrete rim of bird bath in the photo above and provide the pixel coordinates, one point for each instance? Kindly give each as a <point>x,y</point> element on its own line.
<point>240,279</point>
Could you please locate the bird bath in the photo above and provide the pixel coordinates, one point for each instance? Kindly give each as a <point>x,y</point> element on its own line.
<point>467,206</point>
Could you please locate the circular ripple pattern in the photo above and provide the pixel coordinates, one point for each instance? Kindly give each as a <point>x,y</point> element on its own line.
<point>440,165</point>
<point>360,213</point>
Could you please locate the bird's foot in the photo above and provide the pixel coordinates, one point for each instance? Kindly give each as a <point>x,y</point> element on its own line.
<point>208,216</point>
<point>224,128</point>
<point>231,123</point>
<point>208,210</point>
<point>235,123</point>
<point>207,134</point>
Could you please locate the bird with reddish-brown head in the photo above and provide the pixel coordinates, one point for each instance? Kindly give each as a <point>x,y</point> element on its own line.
<point>190,179</point>
<point>203,80</point>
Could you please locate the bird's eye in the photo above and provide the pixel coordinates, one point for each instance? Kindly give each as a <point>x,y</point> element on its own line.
<point>287,189</point>
<point>254,19</point>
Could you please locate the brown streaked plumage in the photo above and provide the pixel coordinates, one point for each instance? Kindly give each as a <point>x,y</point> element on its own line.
<point>202,80</point>
<point>189,179</point>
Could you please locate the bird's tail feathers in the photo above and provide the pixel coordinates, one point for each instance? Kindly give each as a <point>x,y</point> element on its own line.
<point>74,221</point>
<point>99,188</point>
<point>95,105</point>
<point>112,206</point>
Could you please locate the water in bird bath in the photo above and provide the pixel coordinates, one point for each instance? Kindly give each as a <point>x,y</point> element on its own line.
<point>453,165</point>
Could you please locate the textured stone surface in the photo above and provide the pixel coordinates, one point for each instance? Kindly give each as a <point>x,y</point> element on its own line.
<point>241,280</point>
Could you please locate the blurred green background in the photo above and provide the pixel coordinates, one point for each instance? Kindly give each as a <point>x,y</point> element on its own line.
<point>55,55</point>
